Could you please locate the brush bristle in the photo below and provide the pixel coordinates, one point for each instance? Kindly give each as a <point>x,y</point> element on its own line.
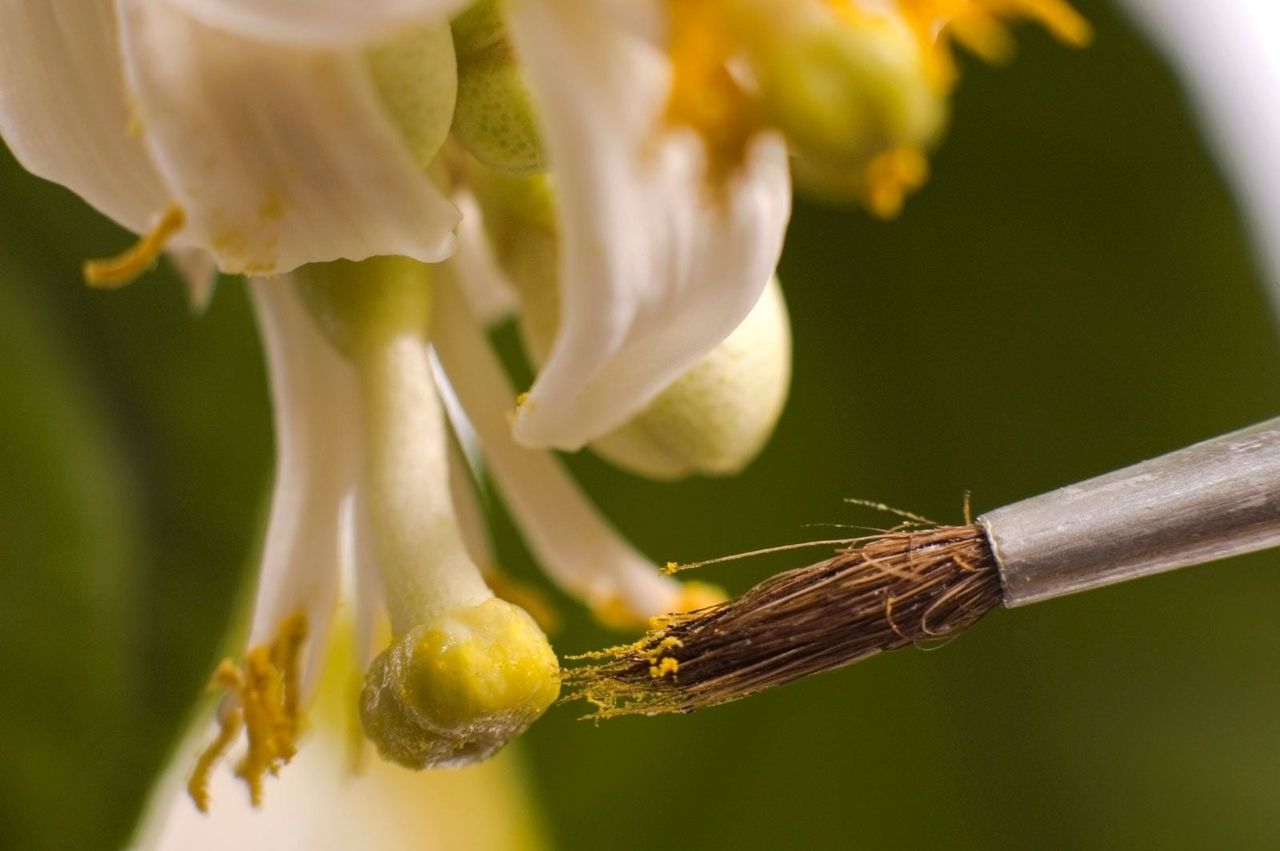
<point>893,590</point>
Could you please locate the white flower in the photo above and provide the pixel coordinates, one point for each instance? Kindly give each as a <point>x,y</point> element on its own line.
<point>306,143</point>
<point>1227,54</point>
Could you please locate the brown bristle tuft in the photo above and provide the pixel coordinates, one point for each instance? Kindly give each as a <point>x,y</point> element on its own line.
<point>897,589</point>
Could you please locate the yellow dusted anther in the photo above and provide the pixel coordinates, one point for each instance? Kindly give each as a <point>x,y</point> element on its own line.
<point>454,691</point>
<point>698,595</point>
<point>264,702</point>
<point>125,268</point>
<point>891,176</point>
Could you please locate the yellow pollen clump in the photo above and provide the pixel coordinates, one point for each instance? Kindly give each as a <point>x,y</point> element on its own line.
<point>667,666</point>
<point>891,176</point>
<point>264,701</point>
<point>125,268</point>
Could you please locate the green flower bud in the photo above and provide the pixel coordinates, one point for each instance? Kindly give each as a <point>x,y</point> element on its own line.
<point>416,79</point>
<point>454,691</point>
<point>494,120</point>
<point>717,416</point>
<point>842,93</point>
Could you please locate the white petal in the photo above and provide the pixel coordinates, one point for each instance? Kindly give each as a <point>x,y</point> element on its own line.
<point>574,543</point>
<point>491,297</point>
<point>62,106</point>
<point>656,269</point>
<point>372,628</point>
<point>319,22</point>
<point>1230,61</point>
<point>198,272</point>
<point>314,398</point>
<point>279,156</point>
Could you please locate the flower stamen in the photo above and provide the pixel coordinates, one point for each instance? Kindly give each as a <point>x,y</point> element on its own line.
<point>264,702</point>
<point>891,176</point>
<point>128,266</point>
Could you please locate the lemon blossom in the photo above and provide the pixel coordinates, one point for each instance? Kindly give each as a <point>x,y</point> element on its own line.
<point>624,167</point>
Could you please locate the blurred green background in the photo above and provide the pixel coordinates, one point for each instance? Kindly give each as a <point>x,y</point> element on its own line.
<point>1071,292</point>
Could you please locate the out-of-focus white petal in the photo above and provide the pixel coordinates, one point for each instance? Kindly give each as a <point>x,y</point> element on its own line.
<point>63,109</point>
<point>318,22</point>
<point>573,542</point>
<point>314,398</point>
<point>280,156</point>
<point>1229,58</point>
<point>489,294</point>
<point>372,628</point>
<point>657,265</point>
<point>198,272</point>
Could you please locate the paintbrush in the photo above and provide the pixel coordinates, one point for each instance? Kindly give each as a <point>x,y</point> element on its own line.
<point>916,584</point>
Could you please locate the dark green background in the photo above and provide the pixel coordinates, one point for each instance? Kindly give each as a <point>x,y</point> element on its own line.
<point>1071,292</point>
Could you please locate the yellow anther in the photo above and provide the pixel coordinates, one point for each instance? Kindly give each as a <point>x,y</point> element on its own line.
<point>265,694</point>
<point>229,725</point>
<point>698,595</point>
<point>527,597</point>
<point>615,613</point>
<point>670,568</point>
<point>125,268</point>
<point>522,400</point>
<point>891,176</point>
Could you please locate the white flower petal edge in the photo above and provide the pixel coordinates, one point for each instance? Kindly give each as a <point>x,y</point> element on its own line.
<point>656,266</point>
<point>198,272</point>
<point>318,22</point>
<point>63,109</point>
<point>279,156</point>
<point>1230,61</point>
<point>574,543</point>
<point>314,396</point>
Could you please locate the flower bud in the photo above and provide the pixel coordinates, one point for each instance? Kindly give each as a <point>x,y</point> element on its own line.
<point>454,691</point>
<point>416,79</point>
<point>715,418</point>
<point>495,119</point>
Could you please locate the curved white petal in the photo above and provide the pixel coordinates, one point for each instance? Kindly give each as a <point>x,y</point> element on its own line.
<point>570,538</point>
<point>63,108</point>
<point>490,295</point>
<point>318,22</point>
<point>657,267</point>
<point>198,272</point>
<point>1230,60</point>
<point>314,398</point>
<point>280,156</point>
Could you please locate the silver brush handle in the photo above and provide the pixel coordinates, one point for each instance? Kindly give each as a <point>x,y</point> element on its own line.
<point>1213,500</point>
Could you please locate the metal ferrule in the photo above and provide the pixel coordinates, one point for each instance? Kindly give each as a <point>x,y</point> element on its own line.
<point>1213,500</point>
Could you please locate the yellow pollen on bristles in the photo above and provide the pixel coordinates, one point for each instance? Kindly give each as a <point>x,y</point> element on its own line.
<point>125,268</point>
<point>705,96</point>
<point>891,176</point>
<point>265,690</point>
<point>667,666</point>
